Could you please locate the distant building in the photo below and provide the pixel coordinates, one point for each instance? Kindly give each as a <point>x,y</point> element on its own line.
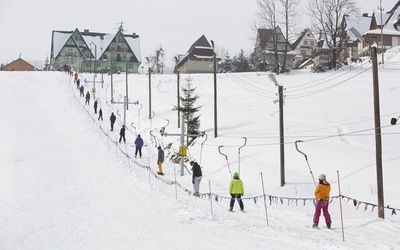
<point>264,51</point>
<point>198,59</point>
<point>95,52</point>
<point>18,65</point>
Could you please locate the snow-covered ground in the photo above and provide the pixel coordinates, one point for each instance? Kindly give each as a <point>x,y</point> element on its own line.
<point>66,183</point>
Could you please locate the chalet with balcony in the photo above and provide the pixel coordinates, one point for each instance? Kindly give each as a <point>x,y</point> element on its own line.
<point>95,52</point>
<point>264,52</point>
<point>304,47</point>
<point>198,59</point>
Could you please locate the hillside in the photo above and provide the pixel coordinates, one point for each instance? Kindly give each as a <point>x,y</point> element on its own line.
<point>67,184</point>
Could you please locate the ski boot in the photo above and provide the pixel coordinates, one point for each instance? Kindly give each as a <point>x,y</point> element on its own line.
<point>315,225</point>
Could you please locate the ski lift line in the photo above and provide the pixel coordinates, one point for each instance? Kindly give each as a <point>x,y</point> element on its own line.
<point>201,147</point>
<point>310,140</point>
<point>333,76</point>
<point>325,89</point>
<point>250,90</point>
<point>320,83</point>
<point>230,75</point>
<point>297,148</point>
<point>226,157</point>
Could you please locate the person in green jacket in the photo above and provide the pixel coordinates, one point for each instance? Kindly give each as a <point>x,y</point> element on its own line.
<point>236,191</point>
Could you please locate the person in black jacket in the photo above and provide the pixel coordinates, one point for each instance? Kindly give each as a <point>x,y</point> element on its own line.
<point>196,177</point>
<point>95,107</point>
<point>112,119</point>
<point>100,115</point>
<point>87,98</point>
<point>122,134</point>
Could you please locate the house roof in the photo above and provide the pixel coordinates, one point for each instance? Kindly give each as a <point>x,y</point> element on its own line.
<point>18,61</point>
<point>100,40</point>
<point>201,49</point>
<point>298,40</point>
<point>359,23</point>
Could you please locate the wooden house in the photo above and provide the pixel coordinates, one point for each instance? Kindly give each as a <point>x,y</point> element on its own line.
<point>95,52</point>
<point>264,51</point>
<point>18,65</point>
<point>198,59</point>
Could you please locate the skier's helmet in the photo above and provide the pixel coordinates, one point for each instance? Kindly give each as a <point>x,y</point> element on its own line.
<point>321,177</point>
<point>236,175</point>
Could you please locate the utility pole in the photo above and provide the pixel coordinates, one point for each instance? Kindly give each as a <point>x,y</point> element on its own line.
<point>126,83</point>
<point>215,91</point>
<point>178,99</point>
<point>382,50</point>
<point>111,73</point>
<point>378,140</point>
<point>182,148</point>
<point>281,129</point>
<point>281,136</point>
<point>125,102</point>
<point>149,93</point>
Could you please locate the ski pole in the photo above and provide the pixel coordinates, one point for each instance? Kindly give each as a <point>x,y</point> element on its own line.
<point>226,157</point>
<point>297,148</point>
<point>245,141</point>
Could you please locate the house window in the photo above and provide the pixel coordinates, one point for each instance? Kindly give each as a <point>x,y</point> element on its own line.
<point>305,42</point>
<point>311,42</point>
<point>387,40</point>
<point>303,52</point>
<point>373,39</point>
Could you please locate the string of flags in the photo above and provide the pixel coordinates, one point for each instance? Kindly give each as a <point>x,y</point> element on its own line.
<point>272,199</point>
<point>290,201</point>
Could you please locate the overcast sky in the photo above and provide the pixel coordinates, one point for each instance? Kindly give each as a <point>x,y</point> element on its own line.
<point>26,26</point>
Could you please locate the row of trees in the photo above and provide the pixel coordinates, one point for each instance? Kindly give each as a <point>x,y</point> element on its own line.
<point>325,18</point>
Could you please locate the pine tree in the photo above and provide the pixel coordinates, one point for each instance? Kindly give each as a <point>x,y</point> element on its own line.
<point>188,109</point>
<point>226,64</point>
<point>241,62</point>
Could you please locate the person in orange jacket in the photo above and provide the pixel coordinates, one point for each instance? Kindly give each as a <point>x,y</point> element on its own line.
<point>321,194</point>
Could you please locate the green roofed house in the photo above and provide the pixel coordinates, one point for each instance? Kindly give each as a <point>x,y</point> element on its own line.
<point>95,52</point>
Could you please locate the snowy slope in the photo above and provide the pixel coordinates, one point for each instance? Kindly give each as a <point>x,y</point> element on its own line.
<point>66,184</point>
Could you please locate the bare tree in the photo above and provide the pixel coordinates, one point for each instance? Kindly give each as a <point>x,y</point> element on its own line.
<point>290,13</point>
<point>268,16</point>
<point>329,14</point>
<point>156,61</point>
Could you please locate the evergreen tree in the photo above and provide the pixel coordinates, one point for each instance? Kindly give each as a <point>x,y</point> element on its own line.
<point>241,62</point>
<point>188,109</point>
<point>227,64</point>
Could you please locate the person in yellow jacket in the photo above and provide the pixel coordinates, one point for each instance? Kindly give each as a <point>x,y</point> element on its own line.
<point>236,191</point>
<point>321,194</point>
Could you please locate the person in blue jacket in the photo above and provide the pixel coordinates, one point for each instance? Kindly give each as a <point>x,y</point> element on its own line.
<point>139,145</point>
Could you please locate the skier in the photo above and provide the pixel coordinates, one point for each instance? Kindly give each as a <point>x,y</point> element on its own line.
<point>122,134</point>
<point>100,115</point>
<point>112,119</point>
<point>81,90</point>
<point>196,177</point>
<point>78,82</point>
<point>87,98</point>
<point>236,190</point>
<point>160,160</point>
<point>139,145</point>
<point>95,107</point>
<point>76,76</point>
<point>321,194</point>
